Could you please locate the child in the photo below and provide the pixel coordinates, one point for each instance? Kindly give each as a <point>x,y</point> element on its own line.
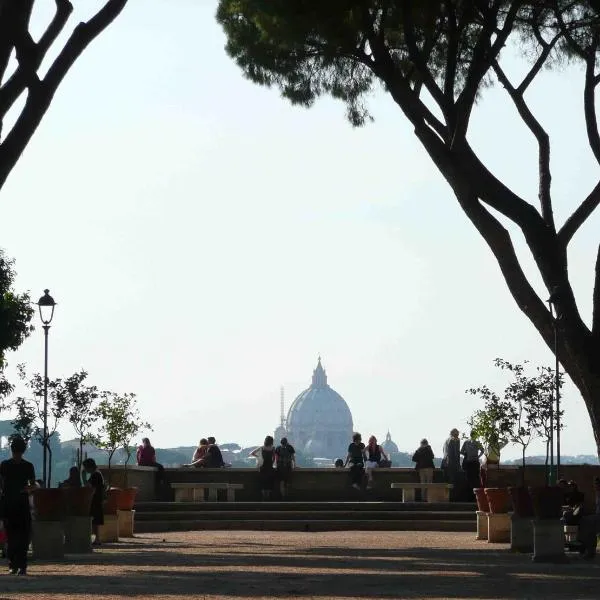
<point>96,481</point>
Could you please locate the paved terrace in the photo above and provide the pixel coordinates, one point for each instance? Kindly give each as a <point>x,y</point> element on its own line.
<point>336,565</point>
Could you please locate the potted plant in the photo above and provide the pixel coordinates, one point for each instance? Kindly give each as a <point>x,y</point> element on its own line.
<point>80,401</point>
<point>120,422</point>
<point>29,422</point>
<point>498,500</point>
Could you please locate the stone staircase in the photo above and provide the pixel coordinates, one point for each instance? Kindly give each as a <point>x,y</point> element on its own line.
<point>304,516</point>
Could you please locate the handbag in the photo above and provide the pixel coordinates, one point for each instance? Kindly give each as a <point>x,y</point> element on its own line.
<point>385,464</point>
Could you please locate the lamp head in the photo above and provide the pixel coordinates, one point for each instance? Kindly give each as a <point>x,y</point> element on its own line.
<point>46,305</point>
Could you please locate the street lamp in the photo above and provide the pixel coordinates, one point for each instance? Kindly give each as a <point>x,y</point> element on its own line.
<point>554,312</point>
<point>46,305</point>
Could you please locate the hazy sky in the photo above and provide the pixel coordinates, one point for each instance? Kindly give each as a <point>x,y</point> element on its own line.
<point>206,241</point>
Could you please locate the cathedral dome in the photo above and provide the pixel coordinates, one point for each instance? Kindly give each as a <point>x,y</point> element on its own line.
<point>389,446</point>
<point>319,419</point>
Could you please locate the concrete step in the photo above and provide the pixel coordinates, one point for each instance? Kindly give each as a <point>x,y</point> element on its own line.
<point>303,515</point>
<point>301,506</point>
<point>306,525</point>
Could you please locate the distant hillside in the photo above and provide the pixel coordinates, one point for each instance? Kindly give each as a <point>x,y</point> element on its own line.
<point>581,459</point>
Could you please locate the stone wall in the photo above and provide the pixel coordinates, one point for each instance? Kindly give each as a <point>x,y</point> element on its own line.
<point>333,484</point>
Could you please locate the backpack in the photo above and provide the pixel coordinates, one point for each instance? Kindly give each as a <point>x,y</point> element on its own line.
<point>284,456</point>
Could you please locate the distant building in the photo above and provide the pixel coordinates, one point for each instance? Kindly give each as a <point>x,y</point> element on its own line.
<point>389,446</point>
<point>319,422</point>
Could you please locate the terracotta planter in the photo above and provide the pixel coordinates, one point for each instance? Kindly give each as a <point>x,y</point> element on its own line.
<point>547,502</point>
<point>521,501</point>
<point>111,503</point>
<point>78,501</point>
<point>49,504</point>
<point>126,498</point>
<point>482,501</point>
<point>499,500</point>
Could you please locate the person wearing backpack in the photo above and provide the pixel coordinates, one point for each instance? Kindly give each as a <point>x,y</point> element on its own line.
<point>285,455</point>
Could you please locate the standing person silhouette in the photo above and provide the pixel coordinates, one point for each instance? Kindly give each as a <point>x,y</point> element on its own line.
<point>17,481</point>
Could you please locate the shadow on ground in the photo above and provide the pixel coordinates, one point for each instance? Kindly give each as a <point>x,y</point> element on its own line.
<point>152,568</point>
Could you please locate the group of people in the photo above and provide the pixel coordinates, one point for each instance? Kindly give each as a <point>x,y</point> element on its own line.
<point>207,455</point>
<point>362,460</point>
<point>17,482</point>
<point>275,464</point>
<point>476,460</point>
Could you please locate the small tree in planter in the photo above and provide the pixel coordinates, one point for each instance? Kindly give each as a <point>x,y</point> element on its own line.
<point>120,422</point>
<point>493,424</point>
<point>520,394</point>
<point>29,422</point>
<point>543,398</point>
<point>80,401</point>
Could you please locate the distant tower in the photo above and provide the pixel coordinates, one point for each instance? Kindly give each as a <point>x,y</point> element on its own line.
<point>281,431</point>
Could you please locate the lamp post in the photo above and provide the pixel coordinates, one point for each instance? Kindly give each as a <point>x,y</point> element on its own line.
<point>46,305</point>
<point>554,313</point>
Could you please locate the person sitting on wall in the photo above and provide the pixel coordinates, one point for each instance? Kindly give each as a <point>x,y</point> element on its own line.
<point>356,458</point>
<point>375,455</point>
<point>146,457</point>
<point>199,454</point>
<point>213,458</point>
<point>74,479</point>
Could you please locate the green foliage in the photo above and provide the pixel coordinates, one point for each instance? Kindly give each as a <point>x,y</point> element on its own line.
<point>523,413</point>
<point>16,313</point>
<point>309,48</point>
<point>120,422</point>
<point>80,401</point>
<point>29,422</point>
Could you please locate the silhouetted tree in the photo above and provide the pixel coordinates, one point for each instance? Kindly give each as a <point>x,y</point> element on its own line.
<point>435,59</point>
<point>21,58</point>
<point>16,313</point>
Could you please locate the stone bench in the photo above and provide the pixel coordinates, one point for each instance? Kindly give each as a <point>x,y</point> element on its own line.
<point>194,492</point>
<point>436,492</point>
<point>571,532</point>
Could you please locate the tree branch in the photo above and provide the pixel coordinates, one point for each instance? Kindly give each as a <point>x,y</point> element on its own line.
<point>27,69</point>
<point>484,54</point>
<point>417,58</point>
<point>589,103</point>
<point>543,140</point>
<point>40,94</point>
<point>579,216</point>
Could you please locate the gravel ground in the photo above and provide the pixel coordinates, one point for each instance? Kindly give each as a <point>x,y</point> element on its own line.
<point>253,565</point>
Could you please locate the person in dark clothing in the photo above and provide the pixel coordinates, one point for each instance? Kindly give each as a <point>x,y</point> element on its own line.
<point>74,479</point>
<point>356,458</point>
<point>472,450</point>
<point>451,461</point>
<point>375,454</point>
<point>285,455</point>
<point>96,482</point>
<point>266,460</point>
<point>423,459</point>
<point>17,481</point>
<point>589,527</point>
<point>213,458</point>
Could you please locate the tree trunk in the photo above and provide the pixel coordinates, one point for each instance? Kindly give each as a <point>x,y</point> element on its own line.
<point>523,469</point>
<point>49,482</point>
